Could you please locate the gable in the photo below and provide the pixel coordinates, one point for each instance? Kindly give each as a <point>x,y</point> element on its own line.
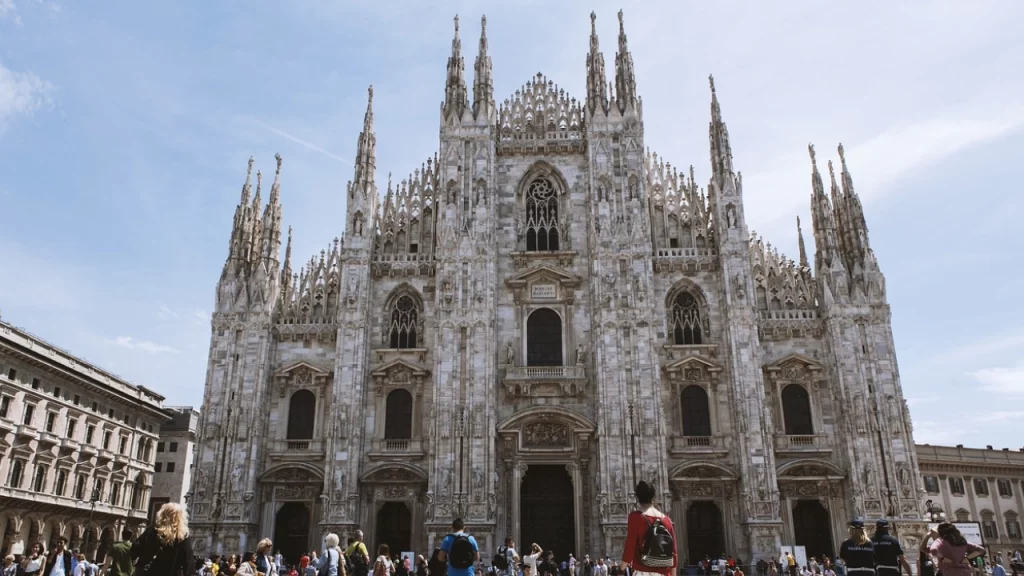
<point>398,368</point>
<point>299,367</point>
<point>543,272</point>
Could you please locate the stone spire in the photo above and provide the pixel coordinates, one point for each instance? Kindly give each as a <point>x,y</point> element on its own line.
<point>272,217</point>
<point>839,214</point>
<point>721,150</point>
<point>242,224</point>
<point>822,220</point>
<point>800,243</point>
<point>366,156</point>
<point>455,97</point>
<point>625,79</point>
<point>483,80</point>
<point>597,93</point>
<point>854,212</point>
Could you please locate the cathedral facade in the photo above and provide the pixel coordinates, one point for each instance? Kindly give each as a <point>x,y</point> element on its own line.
<point>540,315</point>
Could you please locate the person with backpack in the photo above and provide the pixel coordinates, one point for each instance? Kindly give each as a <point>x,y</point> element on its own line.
<point>459,551</point>
<point>506,558</point>
<point>650,546</point>
<point>358,557</point>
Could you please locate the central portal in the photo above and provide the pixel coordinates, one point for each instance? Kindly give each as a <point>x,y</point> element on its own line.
<point>394,527</point>
<point>547,510</point>
<point>291,531</point>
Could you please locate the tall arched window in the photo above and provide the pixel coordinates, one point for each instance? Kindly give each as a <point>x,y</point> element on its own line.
<point>301,415</point>
<point>398,415</point>
<point>796,410</point>
<point>544,338</point>
<point>696,412</point>
<point>402,325</point>
<point>541,216</point>
<point>684,320</point>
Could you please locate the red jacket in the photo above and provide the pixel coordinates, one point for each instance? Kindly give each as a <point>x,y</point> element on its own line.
<point>636,529</point>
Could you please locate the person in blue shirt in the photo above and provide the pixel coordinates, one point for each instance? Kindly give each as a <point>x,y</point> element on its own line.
<point>460,551</point>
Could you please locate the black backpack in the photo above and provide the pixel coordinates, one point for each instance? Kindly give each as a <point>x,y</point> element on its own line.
<point>461,553</point>
<point>500,560</point>
<point>658,547</point>
<point>359,562</point>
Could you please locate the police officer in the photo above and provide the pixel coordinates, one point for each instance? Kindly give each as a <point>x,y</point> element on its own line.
<point>858,552</point>
<point>889,556</point>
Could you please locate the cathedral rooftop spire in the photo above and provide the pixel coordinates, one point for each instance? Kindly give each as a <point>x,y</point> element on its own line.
<point>455,96</point>
<point>853,210</point>
<point>800,244</point>
<point>366,154</point>
<point>822,220</point>
<point>483,82</point>
<point>721,149</point>
<point>247,187</point>
<point>625,79</point>
<point>597,93</point>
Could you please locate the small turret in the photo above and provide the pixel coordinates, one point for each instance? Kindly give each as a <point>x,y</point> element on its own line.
<point>597,92</point>
<point>625,79</point>
<point>483,81</point>
<point>456,100</point>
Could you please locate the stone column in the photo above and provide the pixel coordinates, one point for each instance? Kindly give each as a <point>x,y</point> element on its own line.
<point>267,519</point>
<point>577,505</point>
<point>519,470</point>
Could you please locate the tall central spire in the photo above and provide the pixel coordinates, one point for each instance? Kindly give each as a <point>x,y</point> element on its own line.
<point>366,156</point>
<point>456,99</point>
<point>483,83</point>
<point>721,150</point>
<point>625,79</point>
<point>597,82</point>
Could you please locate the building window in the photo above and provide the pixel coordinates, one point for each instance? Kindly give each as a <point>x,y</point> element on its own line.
<point>78,400</point>
<point>696,412</point>
<point>170,467</point>
<point>110,413</point>
<point>62,482</point>
<point>684,322</point>
<point>988,524</point>
<point>159,446</point>
<point>12,374</point>
<point>39,480</point>
<point>35,383</point>
<point>403,323</point>
<point>931,484</point>
<point>796,410</point>
<point>122,445</point>
<point>541,216</point>
<point>17,473</point>
<point>981,487</point>
<point>158,467</point>
<point>115,493</point>
<point>80,487</point>
<point>1004,488</point>
<point>56,391</point>
<point>90,430</point>
<point>544,338</point>
<point>30,411</point>
<point>301,415</point>
<point>956,485</point>
<point>5,406</point>
<point>51,421</point>
<point>72,424</point>
<point>106,440</point>
<point>173,447</point>
<point>963,515</point>
<point>1012,526</point>
<point>95,407</point>
<point>398,415</point>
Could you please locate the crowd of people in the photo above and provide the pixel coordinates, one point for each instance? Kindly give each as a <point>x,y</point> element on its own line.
<point>649,549</point>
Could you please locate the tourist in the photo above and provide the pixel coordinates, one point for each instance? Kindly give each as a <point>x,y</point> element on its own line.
<point>572,565</point>
<point>889,557</point>
<point>247,567</point>
<point>813,565</point>
<point>857,551</point>
<point>34,562</point>
<point>531,560</point>
<point>164,549</point>
<point>459,551</point>
<point>330,563</point>
<point>952,551</point>
<point>421,565</point>
<point>790,563</point>
<point>119,557</point>
<point>9,568</point>
<point>264,561</point>
<point>358,556</point>
<point>81,566</point>
<point>506,558</point>
<point>60,560</point>
<point>382,566</point>
<point>650,537</point>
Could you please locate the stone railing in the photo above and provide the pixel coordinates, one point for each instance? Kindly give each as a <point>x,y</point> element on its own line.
<point>802,443</point>
<point>680,444</point>
<point>801,314</point>
<point>545,372</point>
<point>683,252</point>
<point>296,448</point>
<point>391,447</point>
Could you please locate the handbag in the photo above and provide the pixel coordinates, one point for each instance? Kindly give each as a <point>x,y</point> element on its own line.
<point>326,570</point>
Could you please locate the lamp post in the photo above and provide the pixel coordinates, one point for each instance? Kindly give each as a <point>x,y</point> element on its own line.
<point>933,512</point>
<point>94,497</point>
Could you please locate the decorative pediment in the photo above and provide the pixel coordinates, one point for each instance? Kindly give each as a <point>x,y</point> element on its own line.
<point>393,472</point>
<point>400,371</point>
<point>294,473</point>
<point>794,367</point>
<point>804,469</point>
<point>702,470</point>
<point>543,283</point>
<point>303,373</point>
<point>693,369</point>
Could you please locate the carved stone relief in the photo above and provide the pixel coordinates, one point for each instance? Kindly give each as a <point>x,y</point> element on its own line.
<point>545,434</point>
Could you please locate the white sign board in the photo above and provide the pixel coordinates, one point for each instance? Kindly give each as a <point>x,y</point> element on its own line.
<point>799,553</point>
<point>543,291</point>
<point>970,530</point>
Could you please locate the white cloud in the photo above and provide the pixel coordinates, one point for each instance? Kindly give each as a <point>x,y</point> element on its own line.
<point>165,313</point>
<point>202,317</point>
<point>1000,416</point>
<point>21,93</point>
<point>143,345</point>
<point>300,141</point>
<point>1008,381</point>
<point>8,11</point>
<point>940,433</point>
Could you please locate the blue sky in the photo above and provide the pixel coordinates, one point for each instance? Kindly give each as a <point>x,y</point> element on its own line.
<point>125,129</point>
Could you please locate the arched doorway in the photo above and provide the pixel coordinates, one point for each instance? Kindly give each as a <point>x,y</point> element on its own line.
<point>544,338</point>
<point>704,535</point>
<point>394,527</point>
<point>291,531</point>
<point>812,528</point>
<point>547,509</point>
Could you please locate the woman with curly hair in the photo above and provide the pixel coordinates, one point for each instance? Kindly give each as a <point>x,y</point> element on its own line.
<point>164,549</point>
<point>952,551</point>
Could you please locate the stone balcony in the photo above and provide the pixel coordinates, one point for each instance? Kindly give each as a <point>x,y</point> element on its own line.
<point>297,449</point>
<point>397,448</point>
<point>684,259</point>
<point>26,431</point>
<point>7,425</point>
<point>680,445</point>
<point>50,502</point>
<point>68,445</point>
<point>545,381</point>
<point>48,439</point>
<point>803,444</point>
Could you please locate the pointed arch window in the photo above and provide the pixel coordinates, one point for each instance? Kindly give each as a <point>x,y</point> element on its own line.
<point>685,321</point>
<point>301,415</point>
<point>696,411</point>
<point>541,216</point>
<point>398,415</point>
<point>796,410</point>
<point>402,328</point>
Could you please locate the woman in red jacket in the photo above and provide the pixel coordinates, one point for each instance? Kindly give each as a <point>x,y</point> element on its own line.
<point>650,538</point>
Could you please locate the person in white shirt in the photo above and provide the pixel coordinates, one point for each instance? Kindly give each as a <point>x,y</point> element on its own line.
<point>82,567</point>
<point>531,559</point>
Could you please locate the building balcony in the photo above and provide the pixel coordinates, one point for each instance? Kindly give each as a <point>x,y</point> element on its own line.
<point>7,425</point>
<point>297,449</point>
<point>545,381</point>
<point>68,445</point>
<point>47,439</point>
<point>88,449</point>
<point>680,445</point>
<point>26,431</point>
<point>803,444</point>
<point>397,448</point>
<point>104,455</point>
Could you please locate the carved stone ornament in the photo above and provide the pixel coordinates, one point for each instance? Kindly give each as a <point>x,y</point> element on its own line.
<point>545,434</point>
<point>394,475</point>
<point>293,475</point>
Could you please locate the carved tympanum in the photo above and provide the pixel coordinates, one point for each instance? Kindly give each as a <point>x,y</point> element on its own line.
<point>545,434</point>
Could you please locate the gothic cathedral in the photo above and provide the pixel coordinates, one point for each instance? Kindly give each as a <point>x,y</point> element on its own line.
<point>539,316</point>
